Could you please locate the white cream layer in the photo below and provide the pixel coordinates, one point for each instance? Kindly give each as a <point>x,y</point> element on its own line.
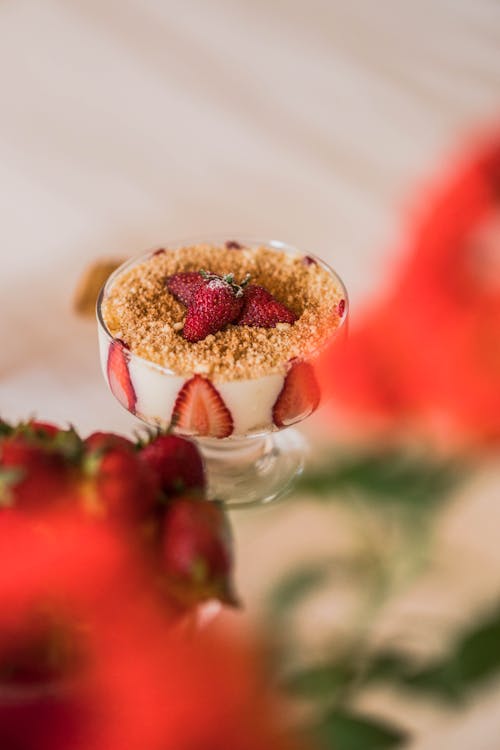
<point>250,402</point>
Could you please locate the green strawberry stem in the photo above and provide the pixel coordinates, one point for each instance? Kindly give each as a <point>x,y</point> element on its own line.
<point>229,279</point>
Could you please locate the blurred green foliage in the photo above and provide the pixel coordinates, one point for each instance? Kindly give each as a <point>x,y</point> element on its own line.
<point>345,730</point>
<point>389,475</point>
<point>411,488</point>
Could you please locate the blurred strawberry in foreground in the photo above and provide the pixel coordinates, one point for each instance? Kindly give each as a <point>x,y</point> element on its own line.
<point>197,552</point>
<point>139,684</point>
<point>118,485</point>
<point>427,355</point>
<point>177,464</point>
<point>154,493</point>
<point>37,465</point>
<point>104,441</point>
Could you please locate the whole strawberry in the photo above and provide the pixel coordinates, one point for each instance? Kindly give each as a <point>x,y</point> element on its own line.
<point>37,466</point>
<point>184,285</point>
<point>196,552</point>
<point>260,308</point>
<point>216,303</point>
<point>117,485</point>
<point>31,478</point>
<point>177,464</point>
<point>104,441</point>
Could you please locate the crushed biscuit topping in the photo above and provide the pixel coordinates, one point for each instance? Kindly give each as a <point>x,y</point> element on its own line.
<point>140,310</point>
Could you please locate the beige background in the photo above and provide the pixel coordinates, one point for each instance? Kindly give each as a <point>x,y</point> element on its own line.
<point>126,123</point>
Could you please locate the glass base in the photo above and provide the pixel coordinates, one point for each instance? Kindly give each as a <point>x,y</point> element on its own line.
<point>254,470</point>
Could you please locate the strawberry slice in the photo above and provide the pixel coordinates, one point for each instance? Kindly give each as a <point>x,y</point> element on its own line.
<point>299,396</point>
<point>119,376</point>
<point>200,410</point>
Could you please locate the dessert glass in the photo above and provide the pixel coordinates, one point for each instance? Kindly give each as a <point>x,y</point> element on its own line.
<point>259,461</point>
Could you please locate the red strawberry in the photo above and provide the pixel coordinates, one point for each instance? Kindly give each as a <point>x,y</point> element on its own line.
<point>31,475</point>
<point>200,410</point>
<point>104,441</point>
<point>184,285</point>
<point>341,308</point>
<point>119,376</point>
<point>177,463</point>
<point>65,442</point>
<point>118,484</point>
<point>216,303</point>
<point>196,552</point>
<point>260,308</point>
<point>299,396</point>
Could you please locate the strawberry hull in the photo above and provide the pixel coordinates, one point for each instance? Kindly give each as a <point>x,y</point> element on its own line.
<point>250,403</point>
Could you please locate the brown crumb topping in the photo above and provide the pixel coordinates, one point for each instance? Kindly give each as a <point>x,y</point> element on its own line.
<point>140,310</point>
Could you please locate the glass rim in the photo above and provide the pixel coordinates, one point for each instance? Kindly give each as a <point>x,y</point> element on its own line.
<point>217,239</point>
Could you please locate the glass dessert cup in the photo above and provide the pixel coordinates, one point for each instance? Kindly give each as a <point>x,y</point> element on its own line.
<point>258,461</point>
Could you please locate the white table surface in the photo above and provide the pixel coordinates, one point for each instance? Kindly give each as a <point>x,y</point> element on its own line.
<point>128,122</point>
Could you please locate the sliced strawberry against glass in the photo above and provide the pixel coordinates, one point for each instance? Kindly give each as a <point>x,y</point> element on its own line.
<point>119,376</point>
<point>200,410</point>
<point>299,396</point>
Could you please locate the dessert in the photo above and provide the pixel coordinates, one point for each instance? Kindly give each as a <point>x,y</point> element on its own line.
<point>218,340</point>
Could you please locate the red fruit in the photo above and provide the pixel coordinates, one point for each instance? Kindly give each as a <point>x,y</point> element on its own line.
<point>216,303</point>
<point>299,396</point>
<point>196,552</point>
<point>119,376</point>
<point>260,308</point>
<point>176,462</point>
<point>32,477</point>
<point>200,410</point>
<point>104,441</point>
<point>184,285</point>
<point>341,308</point>
<point>119,485</point>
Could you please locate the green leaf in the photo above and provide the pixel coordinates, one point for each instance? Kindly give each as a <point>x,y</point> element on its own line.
<point>345,730</point>
<point>5,428</point>
<point>478,651</point>
<point>385,476</point>
<point>289,591</point>
<point>441,680</point>
<point>69,444</point>
<point>318,681</point>
<point>9,477</point>
<point>472,660</point>
<point>386,666</point>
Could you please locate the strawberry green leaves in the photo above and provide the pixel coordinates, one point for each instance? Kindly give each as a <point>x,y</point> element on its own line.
<point>387,476</point>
